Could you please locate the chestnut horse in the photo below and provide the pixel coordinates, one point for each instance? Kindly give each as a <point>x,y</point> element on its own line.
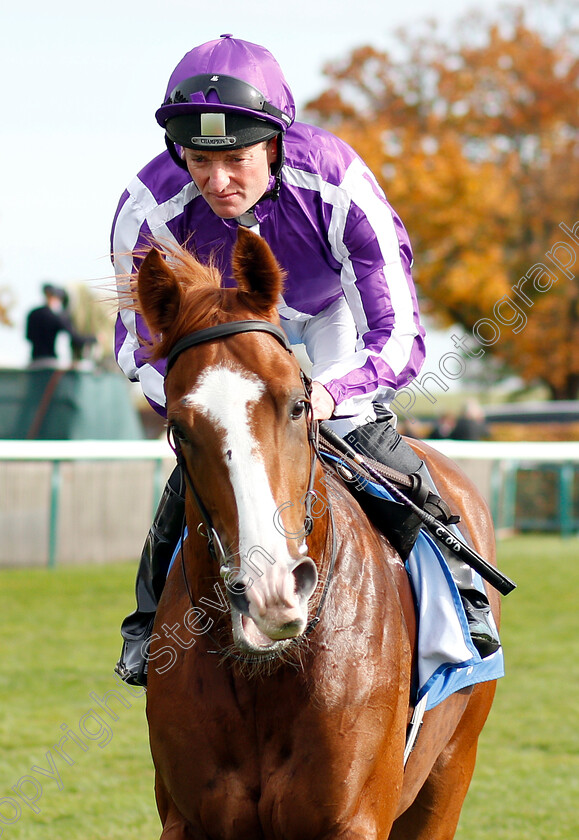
<point>281,710</point>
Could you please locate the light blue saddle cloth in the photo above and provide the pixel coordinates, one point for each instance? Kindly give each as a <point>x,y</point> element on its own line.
<point>447,658</point>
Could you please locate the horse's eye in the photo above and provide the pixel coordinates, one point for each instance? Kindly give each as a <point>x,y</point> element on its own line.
<point>177,433</point>
<point>298,409</point>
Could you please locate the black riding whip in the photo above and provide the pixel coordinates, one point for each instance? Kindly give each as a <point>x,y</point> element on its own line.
<point>492,575</point>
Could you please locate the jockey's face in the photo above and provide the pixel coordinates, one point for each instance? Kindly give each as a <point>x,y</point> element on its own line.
<point>231,182</point>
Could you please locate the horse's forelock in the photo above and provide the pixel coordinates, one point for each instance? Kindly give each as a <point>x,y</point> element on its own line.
<point>203,301</point>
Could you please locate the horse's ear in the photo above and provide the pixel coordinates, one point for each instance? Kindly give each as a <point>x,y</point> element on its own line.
<point>255,268</point>
<point>159,292</point>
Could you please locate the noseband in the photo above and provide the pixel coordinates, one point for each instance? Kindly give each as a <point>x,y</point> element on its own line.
<point>215,546</point>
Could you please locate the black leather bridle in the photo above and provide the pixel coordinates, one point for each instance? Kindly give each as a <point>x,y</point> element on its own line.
<point>216,333</point>
<point>223,331</point>
<point>218,553</point>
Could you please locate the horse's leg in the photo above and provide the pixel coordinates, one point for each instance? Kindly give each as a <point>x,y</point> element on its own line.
<point>435,812</point>
<point>175,826</point>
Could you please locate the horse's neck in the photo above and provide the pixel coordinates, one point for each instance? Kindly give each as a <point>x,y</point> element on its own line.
<point>364,556</point>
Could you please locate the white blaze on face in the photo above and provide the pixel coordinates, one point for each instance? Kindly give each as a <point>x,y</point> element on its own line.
<point>227,397</point>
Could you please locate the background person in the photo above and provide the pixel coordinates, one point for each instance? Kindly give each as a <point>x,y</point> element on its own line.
<point>471,423</point>
<point>45,323</point>
<point>443,427</point>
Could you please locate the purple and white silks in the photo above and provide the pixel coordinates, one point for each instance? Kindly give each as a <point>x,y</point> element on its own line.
<point>349,295</point>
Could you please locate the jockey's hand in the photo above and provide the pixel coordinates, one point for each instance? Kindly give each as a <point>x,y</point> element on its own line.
<point>323,404</point>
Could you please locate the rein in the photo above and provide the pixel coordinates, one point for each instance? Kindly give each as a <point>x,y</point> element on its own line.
<point>216,550</point>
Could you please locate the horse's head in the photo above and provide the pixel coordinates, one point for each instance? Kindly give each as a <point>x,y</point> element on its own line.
<point>237,406</point>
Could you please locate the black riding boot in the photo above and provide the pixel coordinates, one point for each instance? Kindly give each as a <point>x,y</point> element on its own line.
<point>155,559</point>
<point>380,440</point>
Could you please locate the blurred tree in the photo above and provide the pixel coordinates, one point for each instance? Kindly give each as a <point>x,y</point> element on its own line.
<point>93,316</point>
<point>6,302</point>
<point>475,140</point>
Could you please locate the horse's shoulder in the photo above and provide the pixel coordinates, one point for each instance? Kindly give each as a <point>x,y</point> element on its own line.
<point>357,526</point>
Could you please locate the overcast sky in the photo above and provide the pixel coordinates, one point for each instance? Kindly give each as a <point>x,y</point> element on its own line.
<point>79,87</point>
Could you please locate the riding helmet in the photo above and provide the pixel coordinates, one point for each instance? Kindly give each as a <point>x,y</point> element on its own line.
<point>225,94</point>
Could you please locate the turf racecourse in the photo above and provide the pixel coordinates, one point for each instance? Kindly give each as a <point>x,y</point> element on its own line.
<point>86,772</point>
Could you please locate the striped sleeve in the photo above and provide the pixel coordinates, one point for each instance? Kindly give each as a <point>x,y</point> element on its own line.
<point>139,221</point>
<point>371,245</point>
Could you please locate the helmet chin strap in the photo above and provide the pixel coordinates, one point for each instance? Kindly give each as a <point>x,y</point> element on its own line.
<point>276,168</point>
<point>175,156</point>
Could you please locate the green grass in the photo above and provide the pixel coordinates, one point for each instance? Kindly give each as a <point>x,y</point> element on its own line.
<point>59,643</point>
<point>60,639</point>
<point>526,783</point>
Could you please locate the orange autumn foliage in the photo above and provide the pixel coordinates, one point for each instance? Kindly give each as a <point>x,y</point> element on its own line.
<point>475,140</point>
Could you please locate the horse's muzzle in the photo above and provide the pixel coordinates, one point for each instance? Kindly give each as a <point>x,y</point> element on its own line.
<point>277,613</point>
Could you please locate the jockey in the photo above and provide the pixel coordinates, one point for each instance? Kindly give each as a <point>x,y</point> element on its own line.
<point>235,156</point>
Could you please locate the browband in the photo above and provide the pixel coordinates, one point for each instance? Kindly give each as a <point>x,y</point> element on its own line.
<point>222,331</point>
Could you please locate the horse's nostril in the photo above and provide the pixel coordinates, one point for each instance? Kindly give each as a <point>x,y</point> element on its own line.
<point>306,577</point>
<point>239,600</point>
